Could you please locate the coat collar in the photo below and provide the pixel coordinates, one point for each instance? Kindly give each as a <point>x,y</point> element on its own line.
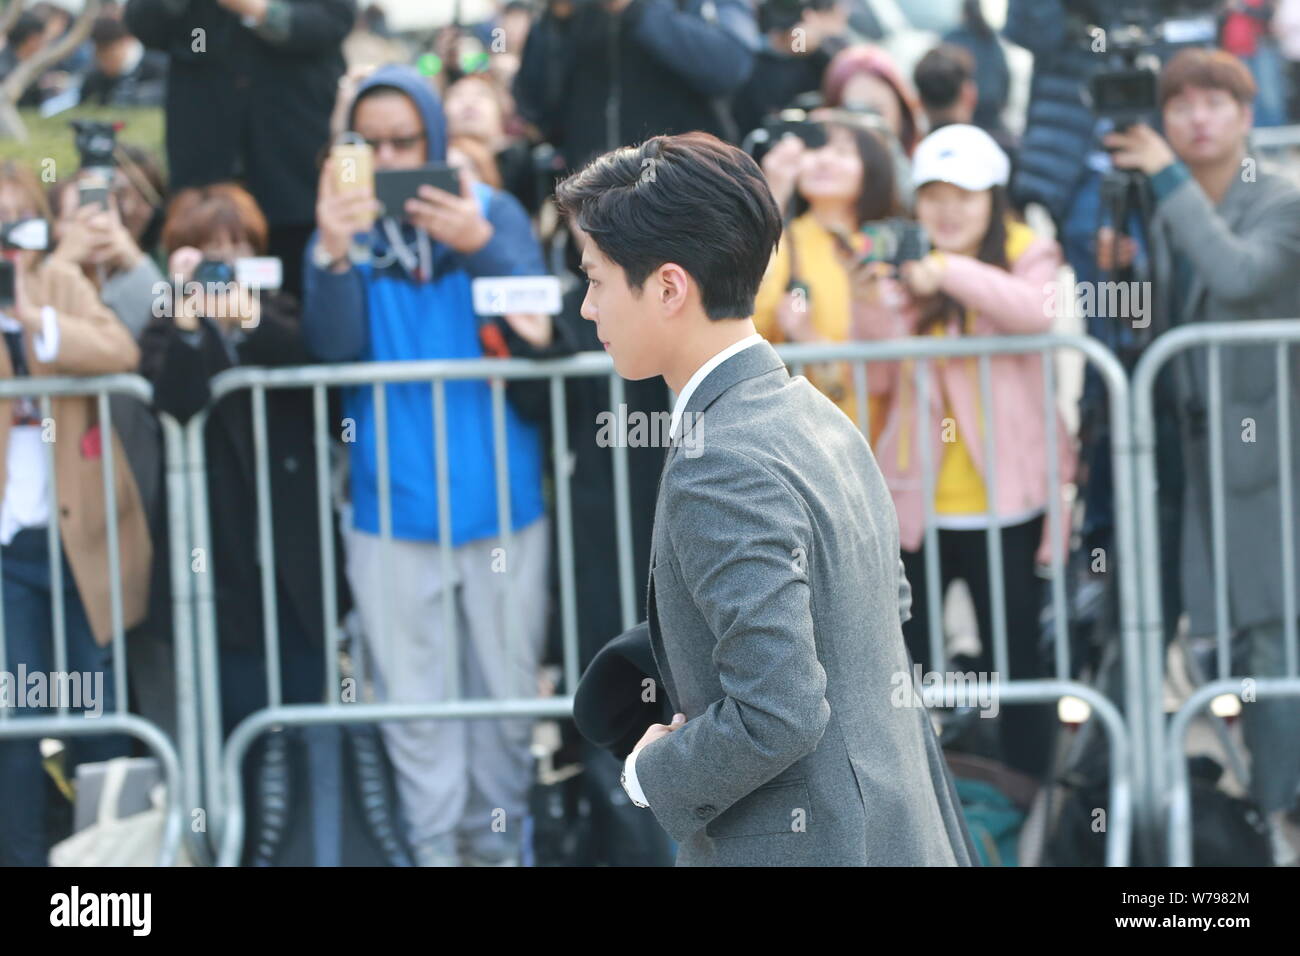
<point>758,359</point>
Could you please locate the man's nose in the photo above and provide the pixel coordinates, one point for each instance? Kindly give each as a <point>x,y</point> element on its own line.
<point>587,311</point>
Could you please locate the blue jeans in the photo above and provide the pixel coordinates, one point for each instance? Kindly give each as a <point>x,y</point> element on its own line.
<point>29,640</point>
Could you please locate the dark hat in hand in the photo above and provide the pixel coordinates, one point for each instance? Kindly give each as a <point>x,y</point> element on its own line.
<point>610,705</point>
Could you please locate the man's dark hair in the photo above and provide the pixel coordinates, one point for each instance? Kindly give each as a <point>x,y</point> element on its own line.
<point>940,74</point>
<point>106,31</point>
<point>689,199</point>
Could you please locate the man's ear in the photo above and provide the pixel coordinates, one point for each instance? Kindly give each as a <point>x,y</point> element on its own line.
<point>674,287</point>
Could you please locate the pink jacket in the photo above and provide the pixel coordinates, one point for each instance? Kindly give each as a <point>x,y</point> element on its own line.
<point>1005,303</point>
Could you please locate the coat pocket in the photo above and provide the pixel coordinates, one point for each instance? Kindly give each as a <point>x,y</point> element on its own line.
<point>783,807</point>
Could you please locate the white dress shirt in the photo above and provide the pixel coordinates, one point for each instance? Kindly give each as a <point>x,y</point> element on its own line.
<point>631,784</point>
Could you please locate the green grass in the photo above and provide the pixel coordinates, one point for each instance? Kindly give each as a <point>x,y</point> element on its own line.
<point>51,138</point>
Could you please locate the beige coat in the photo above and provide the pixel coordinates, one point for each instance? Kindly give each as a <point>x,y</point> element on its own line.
<point>91,342</point>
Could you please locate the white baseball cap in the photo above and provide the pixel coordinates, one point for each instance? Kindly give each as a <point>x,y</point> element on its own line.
<point>963,155</point>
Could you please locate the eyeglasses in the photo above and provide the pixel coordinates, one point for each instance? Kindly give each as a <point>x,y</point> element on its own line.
<point>399,143</point>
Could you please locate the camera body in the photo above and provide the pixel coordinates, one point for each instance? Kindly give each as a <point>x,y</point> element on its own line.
<point>1125,90</point>
<point>894,241</point>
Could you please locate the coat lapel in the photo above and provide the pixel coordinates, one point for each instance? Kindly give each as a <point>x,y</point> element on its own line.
<point>757,359</point>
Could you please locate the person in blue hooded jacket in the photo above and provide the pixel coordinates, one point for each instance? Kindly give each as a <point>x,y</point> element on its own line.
<point>401,291</point>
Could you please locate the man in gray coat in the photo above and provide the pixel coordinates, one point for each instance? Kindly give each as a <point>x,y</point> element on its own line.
<point>776,594</point>
<point>1226,247</point>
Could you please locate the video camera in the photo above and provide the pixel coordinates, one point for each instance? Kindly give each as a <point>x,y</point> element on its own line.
<point>1125,91</point>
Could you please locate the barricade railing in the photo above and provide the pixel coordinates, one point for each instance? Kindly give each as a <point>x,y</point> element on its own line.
<point>223,790</point>
<point>1169,775</point>
<point>1127,755</point>
<point>1148,785</point>
<point>67,722</point>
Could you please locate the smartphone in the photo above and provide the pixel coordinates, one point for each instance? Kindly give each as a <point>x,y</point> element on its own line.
<point>93,190</point>
<point>354,173</point>
<point>393,187</point>
<point>354,167</point>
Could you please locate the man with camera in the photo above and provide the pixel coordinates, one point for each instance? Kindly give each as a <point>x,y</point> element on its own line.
<point>1225,244</point>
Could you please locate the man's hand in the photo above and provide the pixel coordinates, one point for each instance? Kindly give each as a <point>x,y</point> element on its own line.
<point>655,731</point>
<point>1139,147</point>
<point>451,219</point>
<point>340,215</point>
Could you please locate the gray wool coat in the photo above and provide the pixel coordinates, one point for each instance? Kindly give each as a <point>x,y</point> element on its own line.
<point>775,604</point>
<point>1245,256</point>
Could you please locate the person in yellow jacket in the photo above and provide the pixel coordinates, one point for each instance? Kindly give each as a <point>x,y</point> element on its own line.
<point>804,297</point>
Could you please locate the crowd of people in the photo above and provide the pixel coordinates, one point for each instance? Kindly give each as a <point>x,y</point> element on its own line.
<point>855,148</point>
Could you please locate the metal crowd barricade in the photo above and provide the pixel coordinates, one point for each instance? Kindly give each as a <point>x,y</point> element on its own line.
<point>222,786</point>
<point>1127,753</point>
<point>1169,770</point>
<point>69,724</point>
<point>223,790</point>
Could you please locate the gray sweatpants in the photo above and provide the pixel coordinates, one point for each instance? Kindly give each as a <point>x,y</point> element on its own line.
<point>465,777</point>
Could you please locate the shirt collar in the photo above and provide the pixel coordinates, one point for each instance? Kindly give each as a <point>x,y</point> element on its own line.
<point>702,373</point>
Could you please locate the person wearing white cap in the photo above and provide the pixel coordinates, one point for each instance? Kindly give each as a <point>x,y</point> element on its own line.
<point>985,275</point>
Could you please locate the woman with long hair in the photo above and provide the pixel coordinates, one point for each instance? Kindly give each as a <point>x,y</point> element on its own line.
<point>831,191</point>
<point>54,324</point>
<point>987,275</point>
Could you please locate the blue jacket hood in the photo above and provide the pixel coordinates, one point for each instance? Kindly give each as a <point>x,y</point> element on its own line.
<point>416,86</point>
